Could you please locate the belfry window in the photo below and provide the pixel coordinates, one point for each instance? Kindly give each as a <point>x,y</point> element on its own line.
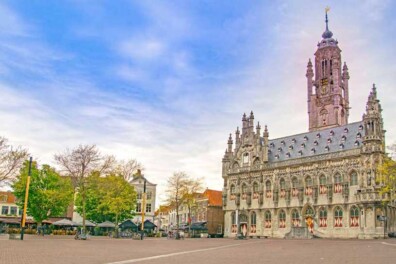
<point>331,67</point>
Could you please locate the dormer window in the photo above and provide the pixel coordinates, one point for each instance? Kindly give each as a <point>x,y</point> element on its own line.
<point>318,135</point>
<point>290,147</point>
<point>361,127</point>
<point>269,151</point>
<point>316,143</point>
<point>279,149</point>
<point>331,133</point>
<point>346,130</point>
<point>358,135</point>
<point>343,138</point>
<point>329,140</point>
<point>283,142</point>
<point>357,143</point>
<point>341,146</point>
<point>305,138</point>
<point>272,145</point>
<point>313,150</point>
<point>288,154</point>
<point>294,140</point>
<point>327,148</point>
<point>303,145</point>
<point>276,156</point>
<point>300,152</point>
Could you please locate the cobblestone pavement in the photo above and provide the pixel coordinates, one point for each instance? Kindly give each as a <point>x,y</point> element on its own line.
<point>193,251</point>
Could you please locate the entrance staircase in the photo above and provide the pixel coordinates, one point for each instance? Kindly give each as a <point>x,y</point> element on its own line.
<point>299,232</point>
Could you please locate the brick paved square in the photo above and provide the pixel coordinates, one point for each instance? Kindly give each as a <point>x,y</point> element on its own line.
<point>193,251</point>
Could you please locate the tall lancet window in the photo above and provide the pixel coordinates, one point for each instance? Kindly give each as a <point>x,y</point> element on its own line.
<point>323,116</point>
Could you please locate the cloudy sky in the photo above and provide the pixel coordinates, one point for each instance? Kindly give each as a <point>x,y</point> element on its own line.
<point>165,82</point>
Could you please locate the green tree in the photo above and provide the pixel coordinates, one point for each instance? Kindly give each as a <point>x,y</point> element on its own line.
<point>49,193</point>
<point>387,172</point>
<point>109,198</point>
<point>80,163</point>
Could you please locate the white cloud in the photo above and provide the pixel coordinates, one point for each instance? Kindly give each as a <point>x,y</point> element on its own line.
<point>186,122</point>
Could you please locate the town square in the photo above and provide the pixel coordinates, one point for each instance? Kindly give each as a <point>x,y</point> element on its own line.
<point>183,131</point>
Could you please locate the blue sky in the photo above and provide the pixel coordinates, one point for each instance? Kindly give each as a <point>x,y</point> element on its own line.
<point>165,82</point>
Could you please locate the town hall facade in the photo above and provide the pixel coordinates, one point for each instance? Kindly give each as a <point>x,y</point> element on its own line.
<point>319,183</point>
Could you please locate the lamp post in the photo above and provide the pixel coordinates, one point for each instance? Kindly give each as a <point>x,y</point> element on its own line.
<point>143,209</point>
<point>26,199</point>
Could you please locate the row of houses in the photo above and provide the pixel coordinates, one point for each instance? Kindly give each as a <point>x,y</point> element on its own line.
<point>205,215</point>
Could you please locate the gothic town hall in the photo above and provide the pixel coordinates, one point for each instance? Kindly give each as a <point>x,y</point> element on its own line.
<point>319,183</point>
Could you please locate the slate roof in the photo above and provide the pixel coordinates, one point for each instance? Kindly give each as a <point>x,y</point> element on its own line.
<point>315,143</point>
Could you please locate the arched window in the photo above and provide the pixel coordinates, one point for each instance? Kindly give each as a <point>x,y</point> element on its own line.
<point>267,219</point>
<point>255,187</point>
<point>244,188</point>
<point>322,217</point>
<point>295,187</point>
<point>255,190</point>
<point>296,218</point>
<point>282,184</point>
<point>235,166</point>
<point>282,219</point>
<point>309,211</point>
<point>232,191</point>
<point>354,216</point>
<point>268,192</point>
<point>244,191</point>
<point>337,183</point>
<point>253,223</point>
<point>323,116</point>
<point>322,185</point>
<point>337,178</point>
<point>308,181</point>
<point>337,217</point>
<point>308,186</point>
<point>233,223</point>
<point>353,178</point>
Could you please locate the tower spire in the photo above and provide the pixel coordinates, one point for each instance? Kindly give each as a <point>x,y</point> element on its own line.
<point>327,9</point>
<point>327,34</point>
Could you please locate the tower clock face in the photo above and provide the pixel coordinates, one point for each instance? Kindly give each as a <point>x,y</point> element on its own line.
<point>323,83</point>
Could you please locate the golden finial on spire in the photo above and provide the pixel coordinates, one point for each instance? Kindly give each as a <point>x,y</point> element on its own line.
<point>327,9</point>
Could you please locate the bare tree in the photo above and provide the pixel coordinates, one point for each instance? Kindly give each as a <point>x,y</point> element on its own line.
<point>175,189</point>
<point>11,160</point>
<point>79,163</point>
<point>191,192</point>
<point>127,169</point>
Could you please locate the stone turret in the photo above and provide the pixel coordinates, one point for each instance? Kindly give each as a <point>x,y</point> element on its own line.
<point>373,124</point>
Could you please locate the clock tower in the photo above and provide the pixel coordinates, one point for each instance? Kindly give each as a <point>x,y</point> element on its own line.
<point>328,94</point>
